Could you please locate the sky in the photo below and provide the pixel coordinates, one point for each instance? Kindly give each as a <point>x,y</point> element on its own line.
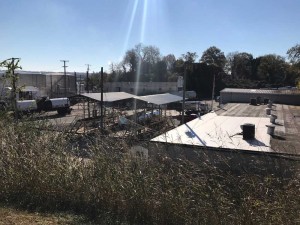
<point>99,32</point>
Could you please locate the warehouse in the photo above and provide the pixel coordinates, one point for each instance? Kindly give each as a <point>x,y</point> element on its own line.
<point>289,97</point>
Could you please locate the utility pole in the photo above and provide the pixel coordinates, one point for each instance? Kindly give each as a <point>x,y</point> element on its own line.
<point>65,75</point>
<point>87,78</point>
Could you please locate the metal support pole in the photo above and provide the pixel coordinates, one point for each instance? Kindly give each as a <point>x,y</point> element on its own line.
<point>80,84</point>
<point>213,93</point>
<point>101,102</point>
<point>51,87</point>
<point>14,88</point>
<point>88,90</point>
<point>75,82</point>
<point>183,94</point>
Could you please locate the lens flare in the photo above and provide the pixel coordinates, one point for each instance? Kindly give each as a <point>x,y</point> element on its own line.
<point>133,14</point>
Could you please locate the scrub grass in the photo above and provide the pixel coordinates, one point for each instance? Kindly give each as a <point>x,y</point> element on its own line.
<point>43,171</point>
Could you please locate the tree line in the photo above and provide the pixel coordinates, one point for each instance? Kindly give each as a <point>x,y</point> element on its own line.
<point>145,63</point>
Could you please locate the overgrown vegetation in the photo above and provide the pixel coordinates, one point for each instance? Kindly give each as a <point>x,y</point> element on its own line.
<point>41,170</point>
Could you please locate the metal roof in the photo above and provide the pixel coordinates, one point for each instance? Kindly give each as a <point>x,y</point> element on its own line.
<point>24,72</point>
<point>216,131</point>
<point>262,91</point>
<point>109,96</point>
<point>160,99</point>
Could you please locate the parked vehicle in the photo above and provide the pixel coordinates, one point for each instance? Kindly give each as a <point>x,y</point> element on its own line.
<point>27,106</point>
<point>61,105</point>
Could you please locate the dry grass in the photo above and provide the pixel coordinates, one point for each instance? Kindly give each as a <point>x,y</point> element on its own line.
<point>10,215</point>
<point>42,171</point>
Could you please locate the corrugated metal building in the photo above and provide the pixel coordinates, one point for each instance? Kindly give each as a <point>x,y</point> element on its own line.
<point>289,96</point>
<point>49,83</point>
<point>141,88</point>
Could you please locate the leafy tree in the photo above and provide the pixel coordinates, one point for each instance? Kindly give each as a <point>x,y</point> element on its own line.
<point>151,54</point>
<point>179,66</point>
<point>272,69</point>
<point>160,72</point>
<point>189,57</point>
<point>141,59</point>
<point>294,70</point>
<point>293,75</point>
<point>213,55</point>
<point>131,60</point>
<point>93,83</point>
<point>294,54</point>
<point>117,72</point>
<point>242,65</point>
<point>12,65</point>
<point>170,61</point>
<point>229,62</point>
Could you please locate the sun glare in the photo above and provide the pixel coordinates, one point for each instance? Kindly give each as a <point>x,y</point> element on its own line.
<point>133,14</point>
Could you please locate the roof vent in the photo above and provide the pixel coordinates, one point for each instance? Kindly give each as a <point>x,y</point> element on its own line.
<point>253,101</point>
<point>248,131</point>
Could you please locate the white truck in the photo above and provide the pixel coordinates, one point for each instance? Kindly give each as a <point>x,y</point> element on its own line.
<point>61,105</point>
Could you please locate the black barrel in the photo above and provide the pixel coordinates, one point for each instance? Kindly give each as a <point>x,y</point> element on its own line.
<point>248,131</point>
<point>266,101</point>
<point>258,100</point>
<point>253,101</point>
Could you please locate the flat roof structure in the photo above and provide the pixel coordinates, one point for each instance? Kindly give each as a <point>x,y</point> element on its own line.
<point>282,96</point>
<point>109,96</point>
<point>262,91</point>
<point>160,99</point>
<point>216,131</point>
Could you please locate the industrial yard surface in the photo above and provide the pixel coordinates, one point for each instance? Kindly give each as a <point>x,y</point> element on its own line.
<point>287,127</point>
